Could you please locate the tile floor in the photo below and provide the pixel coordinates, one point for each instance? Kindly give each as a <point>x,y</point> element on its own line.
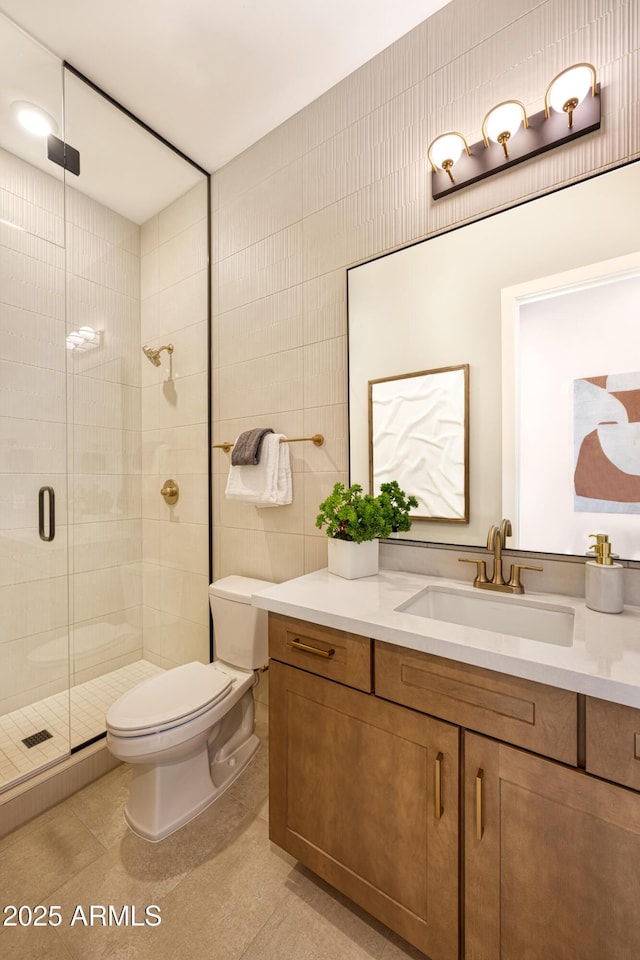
<point>89,703</point>
<point>224,892</point>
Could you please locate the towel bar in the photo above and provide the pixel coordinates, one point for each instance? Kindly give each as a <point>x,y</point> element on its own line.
<point>317,439</point>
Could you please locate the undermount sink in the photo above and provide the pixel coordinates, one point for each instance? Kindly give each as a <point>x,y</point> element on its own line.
<point>514,615</point>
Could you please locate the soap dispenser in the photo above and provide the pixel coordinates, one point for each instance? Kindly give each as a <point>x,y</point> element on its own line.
<point>603,578</point>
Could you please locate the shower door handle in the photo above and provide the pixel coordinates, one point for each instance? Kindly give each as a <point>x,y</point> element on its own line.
<point>52,513</point>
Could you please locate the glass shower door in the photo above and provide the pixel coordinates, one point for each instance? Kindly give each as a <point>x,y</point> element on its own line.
<point>34,604</point>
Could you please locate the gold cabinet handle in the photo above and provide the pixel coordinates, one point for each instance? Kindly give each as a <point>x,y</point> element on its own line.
<point>299,645</point>
<point>439,809</point>
<point>479,823</point>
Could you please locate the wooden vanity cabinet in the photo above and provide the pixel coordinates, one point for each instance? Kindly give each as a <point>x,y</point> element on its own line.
<point>543,859</point>
<point>552,860</point>
<point>366,794</point>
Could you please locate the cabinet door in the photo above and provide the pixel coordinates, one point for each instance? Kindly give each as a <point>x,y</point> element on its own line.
<point>365,793</point>
<point>551,860</point>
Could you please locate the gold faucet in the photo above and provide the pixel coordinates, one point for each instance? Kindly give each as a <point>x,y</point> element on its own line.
<point>495,542</point>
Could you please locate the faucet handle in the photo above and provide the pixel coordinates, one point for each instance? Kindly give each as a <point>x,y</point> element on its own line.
<point>481,567</point>
<point>514,578</point>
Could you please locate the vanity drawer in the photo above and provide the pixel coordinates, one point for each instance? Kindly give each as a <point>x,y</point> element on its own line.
<point>335,654</point>
<point>613,742</point>
<point>521,712</point>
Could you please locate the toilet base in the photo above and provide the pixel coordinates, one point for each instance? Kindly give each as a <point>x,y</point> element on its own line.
<point>165,796</point>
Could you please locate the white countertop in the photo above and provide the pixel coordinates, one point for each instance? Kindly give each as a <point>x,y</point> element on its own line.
<point>602,661</point>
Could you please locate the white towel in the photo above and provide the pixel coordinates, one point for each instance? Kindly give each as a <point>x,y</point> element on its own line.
<point>266,484</point>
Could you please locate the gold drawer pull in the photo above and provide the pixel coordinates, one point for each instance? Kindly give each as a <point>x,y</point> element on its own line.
<point>299,645</point>
<point>439,809</point>
<point>479,824</point>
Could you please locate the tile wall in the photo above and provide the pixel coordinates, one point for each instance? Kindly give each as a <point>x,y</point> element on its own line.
<point>346,179</point>
<point>174,432</point>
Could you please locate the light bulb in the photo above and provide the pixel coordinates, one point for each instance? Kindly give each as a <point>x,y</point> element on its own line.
<point>502,122</point>
<point>445,150</point>
<point>569,88</point>
<point>34,119</point>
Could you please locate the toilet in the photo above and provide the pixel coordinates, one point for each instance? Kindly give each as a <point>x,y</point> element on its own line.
<point>188,732</point>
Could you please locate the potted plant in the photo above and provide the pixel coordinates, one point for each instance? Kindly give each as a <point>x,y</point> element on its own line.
<point>355,521</point>
<point>396,505</point>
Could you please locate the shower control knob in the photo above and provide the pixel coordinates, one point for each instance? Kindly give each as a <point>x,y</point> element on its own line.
<point>170,491</point>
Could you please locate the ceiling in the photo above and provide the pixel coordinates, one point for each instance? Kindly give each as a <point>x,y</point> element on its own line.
<point>214,76</point>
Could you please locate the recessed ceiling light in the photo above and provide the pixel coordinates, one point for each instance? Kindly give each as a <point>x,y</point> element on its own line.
<point>34,119</point>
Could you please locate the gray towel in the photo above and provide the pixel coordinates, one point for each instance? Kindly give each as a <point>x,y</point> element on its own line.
<point>247,448</point>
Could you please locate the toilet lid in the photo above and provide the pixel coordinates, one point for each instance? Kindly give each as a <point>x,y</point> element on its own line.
<point>168,698</point>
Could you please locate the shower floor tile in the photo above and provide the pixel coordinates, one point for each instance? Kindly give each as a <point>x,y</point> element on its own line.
<point>88,704</point>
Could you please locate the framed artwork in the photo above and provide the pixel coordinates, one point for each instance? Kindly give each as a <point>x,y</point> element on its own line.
<point>606,422</point>
<point>419,436</point>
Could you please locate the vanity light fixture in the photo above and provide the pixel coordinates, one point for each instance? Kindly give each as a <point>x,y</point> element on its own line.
<point>445,151</point>
<point>569,112</point>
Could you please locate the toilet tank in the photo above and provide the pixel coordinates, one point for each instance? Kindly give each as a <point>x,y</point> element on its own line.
<point>240,629</point>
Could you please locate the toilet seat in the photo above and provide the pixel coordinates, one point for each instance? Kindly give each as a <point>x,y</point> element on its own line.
<point>168,699</point>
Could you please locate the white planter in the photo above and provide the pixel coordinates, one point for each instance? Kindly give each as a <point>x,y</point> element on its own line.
<point>352,560</point>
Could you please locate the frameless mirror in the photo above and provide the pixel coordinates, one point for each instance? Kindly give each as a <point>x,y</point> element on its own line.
<point>472,296</point>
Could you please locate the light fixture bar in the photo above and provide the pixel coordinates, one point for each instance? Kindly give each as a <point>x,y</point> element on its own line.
<point>542,134</point>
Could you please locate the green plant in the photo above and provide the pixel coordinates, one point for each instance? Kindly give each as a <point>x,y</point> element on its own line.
<point>351,515</point>
<point>396,505</point>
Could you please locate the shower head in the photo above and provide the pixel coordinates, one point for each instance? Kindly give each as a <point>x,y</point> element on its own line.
<point>154,355</point>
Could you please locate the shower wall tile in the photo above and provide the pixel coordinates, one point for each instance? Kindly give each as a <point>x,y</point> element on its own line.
<point>106,450</point>
<point>94,218</point>
<point>185,212</point>
<point>31,664</point>
<point>360,187</point>
<point>91,257</point>
<point>31,200</point>
<point>185,595</point>
<point>99,592</point>
<point>28,392</point>
<point>174,414</point>
<point>183,303</point>
<point>181,448</point>
<point>24,556</point>
<point>182,255</point>
<point>31,284</point>
<point>32,446</point>
<point>103,403</point>
<point>31,338</point>
<point>105,497</point>
<point>31,608</point>
<point>113,544</point>
<point>184,546</point>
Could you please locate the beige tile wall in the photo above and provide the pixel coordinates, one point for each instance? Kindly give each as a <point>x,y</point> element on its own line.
<point>346,179</point>
<point>174,432</point>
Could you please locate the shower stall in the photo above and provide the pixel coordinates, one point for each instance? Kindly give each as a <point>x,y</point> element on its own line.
<point>104,252</point>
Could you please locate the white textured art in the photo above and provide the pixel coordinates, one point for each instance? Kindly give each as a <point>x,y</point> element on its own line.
<point>418,437</point>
